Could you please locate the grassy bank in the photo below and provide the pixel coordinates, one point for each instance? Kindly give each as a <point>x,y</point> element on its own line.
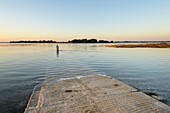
<point>160,45</point>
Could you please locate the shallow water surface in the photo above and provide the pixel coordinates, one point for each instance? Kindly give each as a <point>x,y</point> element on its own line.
<point>22,66</point>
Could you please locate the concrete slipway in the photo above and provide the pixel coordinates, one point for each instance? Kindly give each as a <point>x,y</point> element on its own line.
<point>92,94</point>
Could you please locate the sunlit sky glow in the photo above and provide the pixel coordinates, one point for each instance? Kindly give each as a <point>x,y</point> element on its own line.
<point>63,20</point>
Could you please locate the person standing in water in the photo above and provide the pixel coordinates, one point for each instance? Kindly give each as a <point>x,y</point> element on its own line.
<point>57,50</point>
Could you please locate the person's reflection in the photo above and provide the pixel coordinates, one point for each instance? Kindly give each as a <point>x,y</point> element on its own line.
<point>57,53</point>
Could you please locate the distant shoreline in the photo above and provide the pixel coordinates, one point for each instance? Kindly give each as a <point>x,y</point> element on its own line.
<point>40,41</point>
<point>85,41</point>
<point>149,45</point>
<point>4,42</point>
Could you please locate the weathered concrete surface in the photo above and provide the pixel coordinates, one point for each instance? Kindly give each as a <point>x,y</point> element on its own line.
<point>95,94</point>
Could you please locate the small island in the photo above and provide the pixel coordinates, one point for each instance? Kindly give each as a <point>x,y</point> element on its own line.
<point>89,41</point>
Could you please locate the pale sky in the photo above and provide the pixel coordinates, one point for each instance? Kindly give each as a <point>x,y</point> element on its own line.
<point>63,20</point>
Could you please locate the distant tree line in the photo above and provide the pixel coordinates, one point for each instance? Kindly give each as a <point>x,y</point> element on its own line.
<point>89,41</point>
<point>40,41</point>
<point>106,41</point>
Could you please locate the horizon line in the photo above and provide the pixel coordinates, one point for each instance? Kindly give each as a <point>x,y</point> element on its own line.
<point>106,40</point>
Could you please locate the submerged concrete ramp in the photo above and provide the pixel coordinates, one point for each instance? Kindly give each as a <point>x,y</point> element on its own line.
<point>94,94</point>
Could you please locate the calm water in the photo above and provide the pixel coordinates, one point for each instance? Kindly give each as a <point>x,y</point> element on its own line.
<point>22,66</point>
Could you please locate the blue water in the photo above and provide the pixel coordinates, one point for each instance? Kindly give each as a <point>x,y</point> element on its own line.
<point>22,66</point>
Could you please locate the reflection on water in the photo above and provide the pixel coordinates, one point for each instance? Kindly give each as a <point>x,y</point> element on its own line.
<point>57,53</point>
<point>22,66</point>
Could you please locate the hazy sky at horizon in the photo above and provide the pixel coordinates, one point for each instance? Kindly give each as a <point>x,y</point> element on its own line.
<point>63,20</point>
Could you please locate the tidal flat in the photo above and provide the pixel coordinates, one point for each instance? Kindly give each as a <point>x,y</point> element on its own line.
<point>159,45</point>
